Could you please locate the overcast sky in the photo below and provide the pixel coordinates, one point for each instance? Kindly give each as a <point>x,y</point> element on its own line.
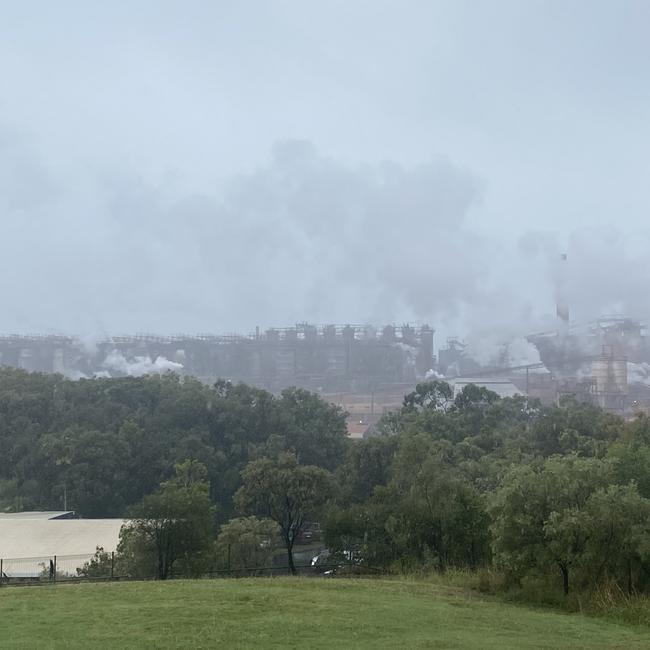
<point>213,166</point>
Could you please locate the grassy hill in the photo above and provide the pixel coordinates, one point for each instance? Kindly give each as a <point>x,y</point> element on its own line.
<point>290,613</point>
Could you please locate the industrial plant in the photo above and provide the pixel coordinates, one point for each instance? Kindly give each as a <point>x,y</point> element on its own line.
<point>605,363</point>
<point>329,358</point>
<point>367,370</point>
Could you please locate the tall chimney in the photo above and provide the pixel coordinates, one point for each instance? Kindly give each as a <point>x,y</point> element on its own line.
<point>562,303</point>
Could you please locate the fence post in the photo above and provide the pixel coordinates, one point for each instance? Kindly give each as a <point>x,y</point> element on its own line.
<point>2,573</point>
<point>112,564</point>
<point>229,560</point>
<point>54,574</point>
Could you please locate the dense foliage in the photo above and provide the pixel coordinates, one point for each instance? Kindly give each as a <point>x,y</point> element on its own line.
<point>99,446</point>
<point>557,493</point>
<point>286,493</point>
<point>170,527</point>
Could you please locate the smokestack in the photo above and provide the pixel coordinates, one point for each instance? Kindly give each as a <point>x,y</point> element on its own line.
<point>562,303</point>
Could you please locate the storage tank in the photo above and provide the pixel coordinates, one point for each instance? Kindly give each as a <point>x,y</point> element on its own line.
<point>610,375</point>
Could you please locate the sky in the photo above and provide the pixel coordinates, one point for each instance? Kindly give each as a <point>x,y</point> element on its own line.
<point>214,166</point>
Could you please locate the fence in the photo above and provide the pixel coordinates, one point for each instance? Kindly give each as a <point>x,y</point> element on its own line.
<point>76,568</point>
<point>45,569</point>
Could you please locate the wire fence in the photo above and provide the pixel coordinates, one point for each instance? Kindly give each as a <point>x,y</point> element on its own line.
<point>77,568</point>
<point>44,569</point>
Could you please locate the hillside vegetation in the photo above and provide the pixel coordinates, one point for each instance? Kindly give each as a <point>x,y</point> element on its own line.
<point>220,477</point>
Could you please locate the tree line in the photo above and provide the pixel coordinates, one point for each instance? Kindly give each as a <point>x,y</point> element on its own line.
<point>98,446</point>
<point>560,493</point>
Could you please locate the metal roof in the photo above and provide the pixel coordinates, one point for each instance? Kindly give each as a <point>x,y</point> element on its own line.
<point>22,538</point>
<point>42,515</point>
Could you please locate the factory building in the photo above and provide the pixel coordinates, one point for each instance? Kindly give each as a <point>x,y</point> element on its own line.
<point>329,358</point>
<point>604,362</point>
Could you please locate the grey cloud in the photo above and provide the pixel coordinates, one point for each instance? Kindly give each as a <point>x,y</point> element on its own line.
<point>25,183</point>
<point>137,191</point>
<point>303,237</point>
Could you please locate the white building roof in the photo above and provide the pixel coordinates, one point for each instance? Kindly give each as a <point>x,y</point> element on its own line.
<point>30,538</point>
<point>43,515</point>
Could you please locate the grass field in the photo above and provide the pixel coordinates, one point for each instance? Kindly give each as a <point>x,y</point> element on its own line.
<point>290,613</point>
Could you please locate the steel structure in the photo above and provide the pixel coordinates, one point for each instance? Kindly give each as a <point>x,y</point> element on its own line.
<point>319,357</point>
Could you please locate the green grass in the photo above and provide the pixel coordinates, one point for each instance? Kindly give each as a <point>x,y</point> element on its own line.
<point>291,613</point>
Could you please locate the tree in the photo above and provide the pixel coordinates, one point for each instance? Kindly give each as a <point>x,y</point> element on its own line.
<point>474,397</point>
<point>170,526</point>
<point>88,466</point>
<point>618,528</point>
<point>537,515</point>
<point>365,531</point>
<point>443,515</point>
<point>106,443</point>
<point>367,465</point>
<point>437,395</point>
<point>246,543</point>
<point>426,514</point>
<point>100,565</point>
<point>286,492</point>
<point>565,537</point>
<point>472,406</point>
<point>313,429</point>
<point>11,498</point>
<point>631,455</point>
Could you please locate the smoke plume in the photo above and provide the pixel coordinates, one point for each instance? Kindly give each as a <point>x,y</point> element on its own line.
<point>302,237</point>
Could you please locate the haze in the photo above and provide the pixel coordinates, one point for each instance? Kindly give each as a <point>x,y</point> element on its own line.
<point>213,166</point>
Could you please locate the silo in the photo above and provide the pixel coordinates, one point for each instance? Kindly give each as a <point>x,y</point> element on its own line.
<point>609,373</point>
<point>26,360</point>
<point>600,373</point>
<point>619,374</point>
<point>58,361</point>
